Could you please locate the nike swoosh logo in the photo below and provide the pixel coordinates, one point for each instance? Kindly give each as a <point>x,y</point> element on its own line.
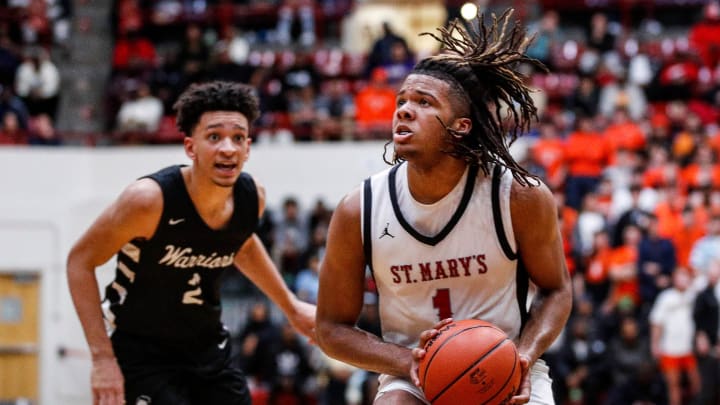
<point>173,221</point>
<point>222,345</point>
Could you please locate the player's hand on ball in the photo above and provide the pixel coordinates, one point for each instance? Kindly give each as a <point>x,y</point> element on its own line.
<point>523,394</point>
<point>419,352</point>
<point>107,382</point>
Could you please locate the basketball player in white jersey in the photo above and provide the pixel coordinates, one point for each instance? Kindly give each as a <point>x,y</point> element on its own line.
<point>456,229</point>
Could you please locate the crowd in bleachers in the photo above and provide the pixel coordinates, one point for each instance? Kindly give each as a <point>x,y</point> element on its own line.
<point>628,139</point>
<point>29,78</point>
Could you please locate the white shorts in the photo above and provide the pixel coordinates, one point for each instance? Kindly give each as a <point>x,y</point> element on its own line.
<point>540,393</point>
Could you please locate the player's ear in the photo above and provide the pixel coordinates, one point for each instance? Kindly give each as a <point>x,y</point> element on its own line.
<point>189,145</point>
<point>462,125</point>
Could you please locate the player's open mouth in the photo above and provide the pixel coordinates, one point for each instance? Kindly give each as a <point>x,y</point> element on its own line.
<point>402,130</point>
<point>225,166</point>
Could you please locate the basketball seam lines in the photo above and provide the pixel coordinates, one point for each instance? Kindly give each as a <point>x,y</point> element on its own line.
<point>460,375</point>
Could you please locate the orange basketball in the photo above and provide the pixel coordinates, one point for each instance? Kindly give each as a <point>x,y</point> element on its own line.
<point>470,362</point>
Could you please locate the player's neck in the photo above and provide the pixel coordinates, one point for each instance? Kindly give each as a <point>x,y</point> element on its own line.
<point>430,184</point>
<point>205,194</point>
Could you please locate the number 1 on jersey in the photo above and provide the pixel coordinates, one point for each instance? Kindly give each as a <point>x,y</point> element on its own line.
<point>441,302</point>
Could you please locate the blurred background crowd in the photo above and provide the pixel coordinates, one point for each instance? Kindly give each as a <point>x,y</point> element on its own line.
<point>628,139</point>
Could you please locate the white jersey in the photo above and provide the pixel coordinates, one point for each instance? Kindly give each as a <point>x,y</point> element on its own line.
<point>453,258</point>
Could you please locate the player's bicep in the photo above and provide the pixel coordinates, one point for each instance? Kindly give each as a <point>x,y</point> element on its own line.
<point>342,271</point>
<point>134,214</point>
<point>537,235</point>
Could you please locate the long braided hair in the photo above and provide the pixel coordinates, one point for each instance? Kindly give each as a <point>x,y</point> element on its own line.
<point>481,65</point>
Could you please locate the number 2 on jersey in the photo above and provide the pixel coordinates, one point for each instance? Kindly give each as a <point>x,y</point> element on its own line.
<point>441,302</point>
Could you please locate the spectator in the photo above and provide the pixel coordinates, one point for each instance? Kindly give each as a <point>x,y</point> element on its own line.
<point>303,115</point>
<point>686,235</point>
<point>581,364</point>
<point>42,131</point>
<point>254,345</point>
<point>586,154</point>
<point>141,112</point>
<point>375,104</point>
<point>381,51</point>
<point>706,308</point>
<point>656,261</point>
<point>621,94</point>
<point>704,35</point>
<point>335,110</point>
<point>709,369</point>
<point>549,152</point>
<point>672,340</point>
<point>400,63</point>
<point>703,172</point>
<point>599,37</point>
<point>38,83</point>
<point>624,269</point>
<point>628,351</point>
<point>585,98</point>
<point>9,57</point>
<point>633,215</point>
<point>547,37</point>
<point>597,268</point>
<point>10,131</point>
<point>291,238</point>
<point>646,386</point>
<point>134,53</point>
<point>306,283</point>
<point>291,369</point>
<point>11,102</point>
<point>194,54</point>
<point>305,13</point>
<point>706,249</point>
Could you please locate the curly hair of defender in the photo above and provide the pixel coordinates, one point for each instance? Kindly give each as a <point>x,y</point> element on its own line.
<point>200,98</point>
<point>481,63</point>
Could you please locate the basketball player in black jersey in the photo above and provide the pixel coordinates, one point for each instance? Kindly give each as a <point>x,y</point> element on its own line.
<point>174,232</point>
<point>455,196</point>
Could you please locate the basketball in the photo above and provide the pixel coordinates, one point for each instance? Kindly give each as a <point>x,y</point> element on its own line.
<point>470,362</point>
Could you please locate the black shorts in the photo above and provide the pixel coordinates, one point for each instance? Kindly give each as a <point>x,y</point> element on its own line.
<point>161,373</point>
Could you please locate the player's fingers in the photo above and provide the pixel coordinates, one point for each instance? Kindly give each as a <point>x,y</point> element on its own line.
<point>523,395</point>
<point>442,323</point>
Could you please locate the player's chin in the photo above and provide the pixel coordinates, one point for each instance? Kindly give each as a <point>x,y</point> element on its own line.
<point>224,181</point>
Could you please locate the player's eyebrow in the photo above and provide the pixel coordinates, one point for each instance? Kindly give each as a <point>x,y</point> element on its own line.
<point>220,125</point>
<point>421,92</point>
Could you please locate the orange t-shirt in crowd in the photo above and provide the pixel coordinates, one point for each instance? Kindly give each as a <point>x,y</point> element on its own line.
<point>669,215</point>
<point>624,255</point>
<point>628,136</point>
<point>598,267</point>
<point>695,176</point>
<point>550,154</point>
<point>683,240</point>
<point>374,106</point>
<point>586,154</point>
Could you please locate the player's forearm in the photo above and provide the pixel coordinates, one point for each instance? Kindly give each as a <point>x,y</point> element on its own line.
<point>86,298</point>
<point>547,319</point>
<point>364,350</point>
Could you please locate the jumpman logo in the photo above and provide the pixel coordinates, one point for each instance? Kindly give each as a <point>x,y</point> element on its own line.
<point>386,232</point>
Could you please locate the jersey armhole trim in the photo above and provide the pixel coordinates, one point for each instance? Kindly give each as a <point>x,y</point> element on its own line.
<point>367,222</point>
<point>497,214</point>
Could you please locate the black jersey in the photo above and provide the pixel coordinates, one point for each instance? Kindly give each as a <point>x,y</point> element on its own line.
<point>167,287</point>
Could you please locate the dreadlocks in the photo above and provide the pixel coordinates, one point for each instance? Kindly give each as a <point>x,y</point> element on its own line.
<point>481,65</point>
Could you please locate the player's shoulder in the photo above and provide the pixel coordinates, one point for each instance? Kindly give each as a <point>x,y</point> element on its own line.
<point>142,195</point>
<point>350,204</point>
<point>531,200</point>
